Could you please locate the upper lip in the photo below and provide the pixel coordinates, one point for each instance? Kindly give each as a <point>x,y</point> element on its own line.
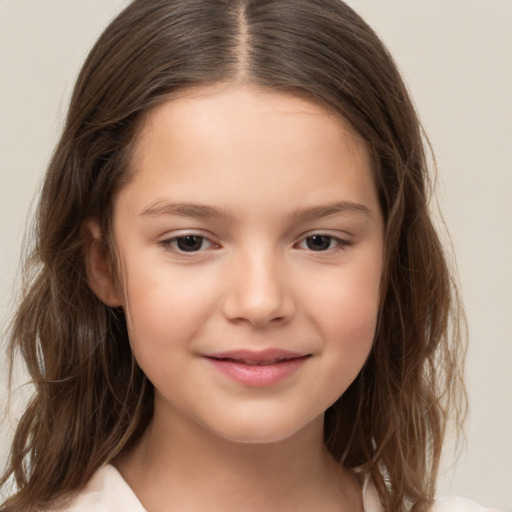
<point>257,356</point>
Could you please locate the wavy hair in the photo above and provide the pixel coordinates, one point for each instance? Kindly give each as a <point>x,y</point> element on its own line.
<point>91,400</point>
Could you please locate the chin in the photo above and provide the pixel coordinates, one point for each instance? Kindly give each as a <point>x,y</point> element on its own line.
<point>259,431</point>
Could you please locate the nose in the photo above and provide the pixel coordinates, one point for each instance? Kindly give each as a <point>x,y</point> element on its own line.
<point>258,290</point>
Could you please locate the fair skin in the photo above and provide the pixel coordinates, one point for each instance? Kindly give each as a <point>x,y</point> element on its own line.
<point>250,242</point>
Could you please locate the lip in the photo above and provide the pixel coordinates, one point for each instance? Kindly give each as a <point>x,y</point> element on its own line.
<point>257,368</point>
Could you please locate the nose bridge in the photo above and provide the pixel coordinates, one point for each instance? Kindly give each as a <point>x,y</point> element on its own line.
<point>258,290</point>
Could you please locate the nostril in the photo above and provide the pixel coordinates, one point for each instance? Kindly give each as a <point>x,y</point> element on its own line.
<point>258,313</point>
<point>256,291</point>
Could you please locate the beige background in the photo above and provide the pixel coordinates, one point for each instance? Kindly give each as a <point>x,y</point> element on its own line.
<point>456,56</point>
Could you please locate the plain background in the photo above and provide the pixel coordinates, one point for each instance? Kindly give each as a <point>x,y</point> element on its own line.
<point>456,56</point>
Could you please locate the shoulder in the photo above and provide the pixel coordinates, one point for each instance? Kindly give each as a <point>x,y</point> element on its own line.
<point>105,491</point>
<point>450,504</point>
<point>456,504</point>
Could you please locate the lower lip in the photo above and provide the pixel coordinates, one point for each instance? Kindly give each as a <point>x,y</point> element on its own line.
<point>258,376</point>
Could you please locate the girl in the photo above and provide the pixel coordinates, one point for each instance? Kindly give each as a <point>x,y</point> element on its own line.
<point>237,300</point>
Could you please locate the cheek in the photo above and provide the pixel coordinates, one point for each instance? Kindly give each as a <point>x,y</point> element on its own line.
<point>348,336</point>
<point>164,309</point>
<point>349,332</point>
<point>346,313</point>
<point>346,301</point>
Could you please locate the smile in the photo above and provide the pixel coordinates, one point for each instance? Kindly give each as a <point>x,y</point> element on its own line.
<point>257,369</point>
<point>259,363</point>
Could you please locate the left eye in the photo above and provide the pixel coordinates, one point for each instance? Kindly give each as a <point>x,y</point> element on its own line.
<point>187,243</point>
<point>320,243</point>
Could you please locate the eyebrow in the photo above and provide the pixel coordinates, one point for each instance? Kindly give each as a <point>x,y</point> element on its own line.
<point>162,207</point>
<point>315,212</point>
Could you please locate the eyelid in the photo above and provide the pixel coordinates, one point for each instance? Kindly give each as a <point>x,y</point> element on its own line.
<point>167,241</point>
<point>341,242</point>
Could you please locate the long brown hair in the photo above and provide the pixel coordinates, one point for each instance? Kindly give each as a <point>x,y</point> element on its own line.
<point>91,400</point>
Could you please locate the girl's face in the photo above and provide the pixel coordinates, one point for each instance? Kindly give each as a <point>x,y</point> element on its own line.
<point>251,245</point>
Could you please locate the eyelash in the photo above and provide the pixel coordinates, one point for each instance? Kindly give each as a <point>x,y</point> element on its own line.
<point>339,243</point>
<point>171,244</point>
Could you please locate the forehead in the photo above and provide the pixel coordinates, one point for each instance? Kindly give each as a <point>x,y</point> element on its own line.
<point>219,141</point>
<point>224,108</point>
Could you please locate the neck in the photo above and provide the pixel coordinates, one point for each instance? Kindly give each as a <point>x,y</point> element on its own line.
<point>171,464</point>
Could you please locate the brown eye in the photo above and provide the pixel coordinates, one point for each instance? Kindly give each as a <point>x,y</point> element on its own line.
<point>319,242</point>
<point>189,243</point>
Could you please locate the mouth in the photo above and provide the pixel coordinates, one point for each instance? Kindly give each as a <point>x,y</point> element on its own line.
<point>264,362</point>
<point>258,369</point>
<point>261,357</point>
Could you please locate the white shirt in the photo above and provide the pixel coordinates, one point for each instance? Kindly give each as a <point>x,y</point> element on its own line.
<point>108,492</point>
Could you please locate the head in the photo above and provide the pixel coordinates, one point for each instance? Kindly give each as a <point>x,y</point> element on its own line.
<point>153,53</point>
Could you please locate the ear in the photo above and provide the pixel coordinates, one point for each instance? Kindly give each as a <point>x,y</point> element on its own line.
<point>99,266</point>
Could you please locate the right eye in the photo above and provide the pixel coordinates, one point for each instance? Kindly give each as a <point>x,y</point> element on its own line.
<point>187,243</point>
